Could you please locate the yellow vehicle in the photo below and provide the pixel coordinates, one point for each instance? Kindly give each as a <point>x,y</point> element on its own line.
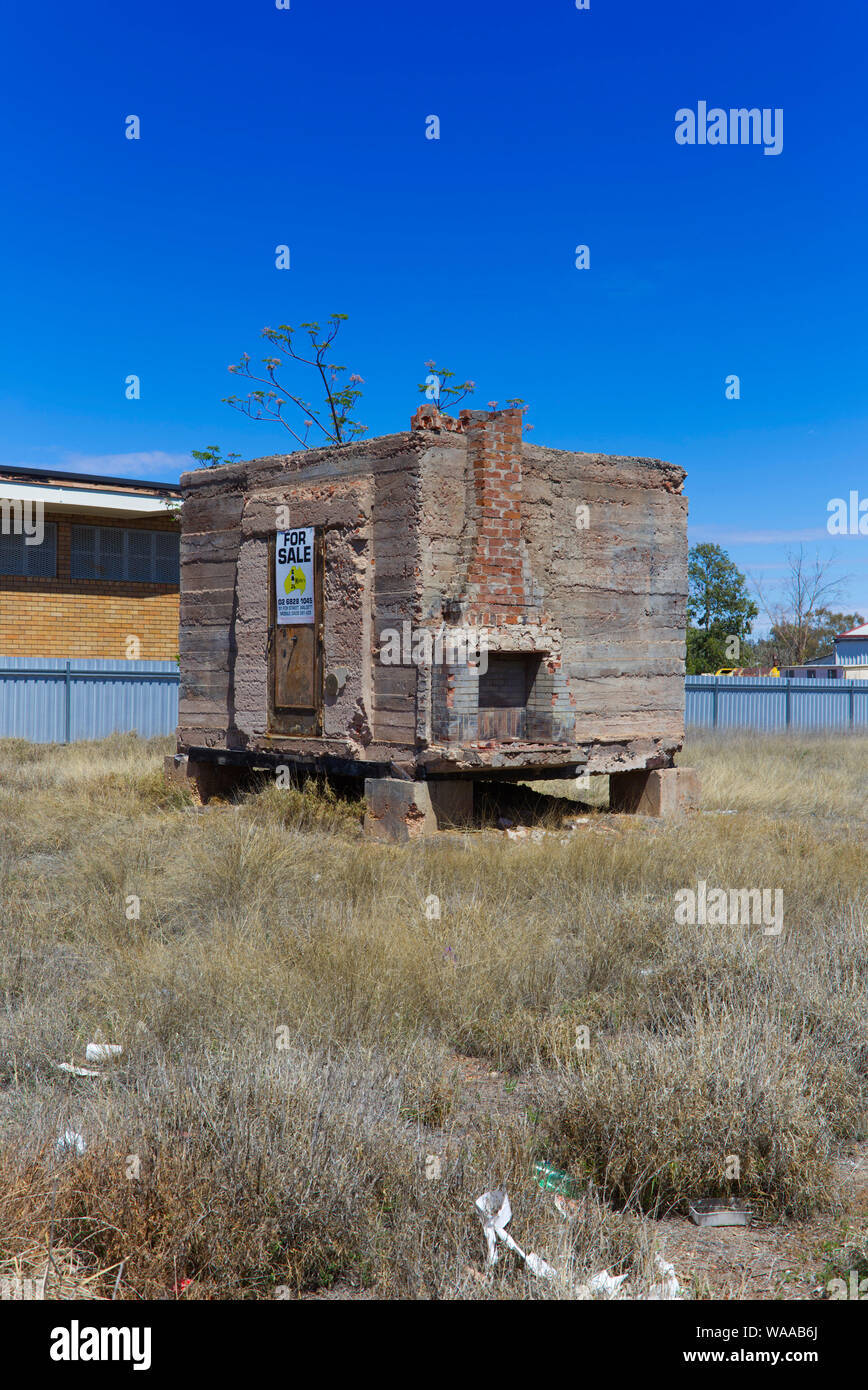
<point>741,671</point>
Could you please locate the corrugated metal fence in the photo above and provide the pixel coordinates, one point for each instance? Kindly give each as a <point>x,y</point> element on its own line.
<point>770,703</point>
<point>49,700</point>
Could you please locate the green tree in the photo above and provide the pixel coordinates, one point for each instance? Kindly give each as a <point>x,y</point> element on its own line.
<point>719,608</point>
<point>438,388</point>
<point>211,457</point>
<point>333,418</point>
<point>826,627</point>
<point>817,636</point>
<point>801,617</point>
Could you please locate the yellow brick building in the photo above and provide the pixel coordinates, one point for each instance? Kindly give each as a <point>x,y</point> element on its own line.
<point>88,566</point>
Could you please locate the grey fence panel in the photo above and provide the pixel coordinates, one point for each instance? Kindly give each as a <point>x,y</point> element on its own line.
<point>32,700</point>
<point>769,704</point>
<point>821,709</point>
<point>699,706</point>
<point>50,700</point>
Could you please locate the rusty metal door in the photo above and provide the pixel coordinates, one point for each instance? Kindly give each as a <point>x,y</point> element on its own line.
<point>295,660</point>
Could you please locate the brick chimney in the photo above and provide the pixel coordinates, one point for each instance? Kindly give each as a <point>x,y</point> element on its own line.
<point>494,585</point>
<point>499,582</point>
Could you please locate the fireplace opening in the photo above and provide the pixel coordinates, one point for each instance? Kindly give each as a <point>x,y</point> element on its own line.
<point>504,689</point>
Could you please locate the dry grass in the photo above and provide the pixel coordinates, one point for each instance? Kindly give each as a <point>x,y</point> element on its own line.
<point>272,941</point>
<point>815,777</point>
<point>49,1271</point>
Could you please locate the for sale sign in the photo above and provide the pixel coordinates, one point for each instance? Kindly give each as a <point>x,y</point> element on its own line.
<point>293,576</point>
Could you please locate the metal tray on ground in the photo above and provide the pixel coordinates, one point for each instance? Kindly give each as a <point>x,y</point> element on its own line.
<point>719,1211</point>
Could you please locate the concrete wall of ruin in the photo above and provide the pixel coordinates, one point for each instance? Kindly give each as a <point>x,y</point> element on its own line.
<point>397,539</point>
<point>365,499</point>
<point>475,515</point>
<point>342,508</point>
<point>602,592</point>
<point>210,540</point>
<point>616,587</point>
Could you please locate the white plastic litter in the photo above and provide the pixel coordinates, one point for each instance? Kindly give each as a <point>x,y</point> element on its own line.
<point>496,1215</point>
<point>669,1286</point>
<point>71,1142</point>
<point>102,1052</point>
<point>540,1267</point>
<point>606,1283</point>
<point>76,1071</point>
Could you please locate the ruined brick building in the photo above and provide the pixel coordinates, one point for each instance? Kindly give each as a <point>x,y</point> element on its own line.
<point>432,607</point>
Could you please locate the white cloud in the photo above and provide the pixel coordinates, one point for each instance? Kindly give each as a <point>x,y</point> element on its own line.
<point>733,536</point>
<point>149,463</point>
<point>153,463</point>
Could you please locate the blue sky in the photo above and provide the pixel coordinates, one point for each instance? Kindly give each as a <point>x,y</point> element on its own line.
<point>262,126</point>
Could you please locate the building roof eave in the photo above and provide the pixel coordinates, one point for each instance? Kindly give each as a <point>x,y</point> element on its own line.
<point>81,500</point>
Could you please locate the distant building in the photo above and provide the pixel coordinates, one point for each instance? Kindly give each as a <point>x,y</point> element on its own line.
<point>851,652</point>
<point>89,566</point>
<point>823,668</point>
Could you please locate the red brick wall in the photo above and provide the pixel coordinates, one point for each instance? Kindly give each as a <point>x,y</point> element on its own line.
<point>66,617</point>
<point>499,583</point>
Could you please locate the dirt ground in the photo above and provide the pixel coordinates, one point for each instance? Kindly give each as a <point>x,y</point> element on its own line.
<point>767,1260</point>
<point>353,1010</point>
